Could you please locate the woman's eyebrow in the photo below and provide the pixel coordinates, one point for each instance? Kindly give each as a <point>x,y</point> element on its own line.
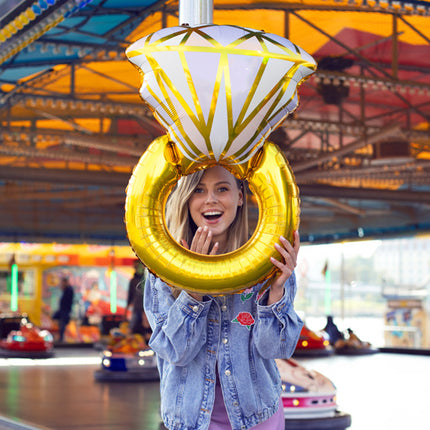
<point>217,183</point>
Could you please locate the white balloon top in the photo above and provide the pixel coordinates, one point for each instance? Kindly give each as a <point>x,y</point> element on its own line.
<point>219,90</point>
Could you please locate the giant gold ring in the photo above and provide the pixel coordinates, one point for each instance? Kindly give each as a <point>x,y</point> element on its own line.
<point>160,167</point>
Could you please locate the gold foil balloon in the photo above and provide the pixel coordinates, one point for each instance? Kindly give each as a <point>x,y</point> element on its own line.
<point>219,91</point>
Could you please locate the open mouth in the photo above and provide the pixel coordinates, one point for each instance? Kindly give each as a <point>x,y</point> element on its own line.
<point>212,215</point>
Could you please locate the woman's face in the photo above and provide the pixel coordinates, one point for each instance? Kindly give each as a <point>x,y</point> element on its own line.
<point>214,202</point>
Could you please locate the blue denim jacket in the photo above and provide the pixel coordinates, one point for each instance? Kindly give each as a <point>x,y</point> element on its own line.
<point>239,334</point>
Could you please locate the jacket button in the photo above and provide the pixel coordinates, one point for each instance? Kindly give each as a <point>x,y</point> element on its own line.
<point>223,308</point>
<point>225,340</point>
<point>227,373</point>
<point>195,308</point>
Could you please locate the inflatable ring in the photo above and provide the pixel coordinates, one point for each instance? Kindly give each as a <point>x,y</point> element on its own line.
<point>270,179</point>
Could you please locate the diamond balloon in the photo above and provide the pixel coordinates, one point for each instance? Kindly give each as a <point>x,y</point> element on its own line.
<point>219,91</point>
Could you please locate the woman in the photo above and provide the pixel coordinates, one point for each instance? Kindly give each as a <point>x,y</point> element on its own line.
<point>216,354</point>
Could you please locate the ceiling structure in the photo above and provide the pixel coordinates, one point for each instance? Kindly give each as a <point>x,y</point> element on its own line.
<point>73,125</point>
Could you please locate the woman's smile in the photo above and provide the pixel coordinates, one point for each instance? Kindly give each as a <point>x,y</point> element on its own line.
<point>212,216</point>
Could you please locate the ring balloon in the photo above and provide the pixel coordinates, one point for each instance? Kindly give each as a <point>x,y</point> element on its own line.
<point>219,91</point>
<point>270,179</point>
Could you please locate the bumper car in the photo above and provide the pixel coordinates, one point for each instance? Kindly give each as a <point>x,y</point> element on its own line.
<point>311,344</point>
<point>21,339</point>
<point>127,358</point>
<point>353,345</point>
<point>309,399</point>
<point>346,344</point>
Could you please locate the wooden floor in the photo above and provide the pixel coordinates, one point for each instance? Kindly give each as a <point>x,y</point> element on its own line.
<point>380,392</point>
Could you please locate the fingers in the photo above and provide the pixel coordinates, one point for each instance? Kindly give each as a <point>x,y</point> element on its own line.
<point>184,244</point>
<point>201,241</point>
<point>288,253</point>
<point>214,249</point>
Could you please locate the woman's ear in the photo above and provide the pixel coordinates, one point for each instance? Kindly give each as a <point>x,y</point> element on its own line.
<point>240,202</point>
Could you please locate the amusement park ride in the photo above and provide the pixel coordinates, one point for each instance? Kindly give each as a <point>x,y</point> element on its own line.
<point>73,126</point>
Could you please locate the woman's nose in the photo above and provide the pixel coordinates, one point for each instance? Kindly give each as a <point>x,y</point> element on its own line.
<point>210,196</point>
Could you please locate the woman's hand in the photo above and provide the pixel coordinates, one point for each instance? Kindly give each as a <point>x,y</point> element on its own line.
<point>201,244</point>
<point>286,266</point>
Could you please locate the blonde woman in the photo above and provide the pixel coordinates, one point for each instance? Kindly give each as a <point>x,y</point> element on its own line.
<point>216,354</point>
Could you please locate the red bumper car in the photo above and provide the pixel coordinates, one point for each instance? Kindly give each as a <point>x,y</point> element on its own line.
<point>312,344</point>
<point>21,339</point>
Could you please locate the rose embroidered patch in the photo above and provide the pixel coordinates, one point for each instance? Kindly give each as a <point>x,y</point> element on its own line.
<point>246,295</point>
<point>245,319</point>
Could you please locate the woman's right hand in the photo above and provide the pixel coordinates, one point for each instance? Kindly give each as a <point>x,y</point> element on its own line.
<point>201,242</point>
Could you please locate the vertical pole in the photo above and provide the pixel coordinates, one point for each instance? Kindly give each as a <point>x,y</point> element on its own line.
<point>395,49</point>
<point>113,291</point>
<point>112,283</point>
<point>327,291</point>
<point>14,287</point>
<point>342,284</point>
<point>327,295</point>
<point>286,24</point>
<point>195,12</point>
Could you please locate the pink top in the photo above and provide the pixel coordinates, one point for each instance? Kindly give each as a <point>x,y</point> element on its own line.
<point>219,418</point>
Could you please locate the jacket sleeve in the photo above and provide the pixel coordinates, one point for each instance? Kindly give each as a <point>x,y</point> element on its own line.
<point>278,326</point>
<point>178,325</point>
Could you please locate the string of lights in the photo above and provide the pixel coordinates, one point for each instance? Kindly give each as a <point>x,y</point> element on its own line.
<point>33,23</point>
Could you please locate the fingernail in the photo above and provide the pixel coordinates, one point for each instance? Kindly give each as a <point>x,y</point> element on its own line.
<point>283,238</point>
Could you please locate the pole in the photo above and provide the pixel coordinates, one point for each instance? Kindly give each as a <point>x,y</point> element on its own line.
<point>195,12</point>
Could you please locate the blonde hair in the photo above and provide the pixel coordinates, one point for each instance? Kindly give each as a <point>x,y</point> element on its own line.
<point>180,223</point>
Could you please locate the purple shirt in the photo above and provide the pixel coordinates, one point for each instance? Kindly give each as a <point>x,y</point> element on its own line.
<point>219,418</point>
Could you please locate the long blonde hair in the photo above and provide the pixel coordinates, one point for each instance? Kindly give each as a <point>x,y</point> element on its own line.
<point>181,225</point>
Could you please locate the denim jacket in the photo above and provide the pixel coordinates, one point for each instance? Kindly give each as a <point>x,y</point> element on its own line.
<point>237,334</point>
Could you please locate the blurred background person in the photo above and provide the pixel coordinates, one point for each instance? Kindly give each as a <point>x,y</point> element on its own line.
<point>65,307</point>
<point>138,324</point>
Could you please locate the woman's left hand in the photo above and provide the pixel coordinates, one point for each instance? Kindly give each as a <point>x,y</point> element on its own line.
<point>286,266</point>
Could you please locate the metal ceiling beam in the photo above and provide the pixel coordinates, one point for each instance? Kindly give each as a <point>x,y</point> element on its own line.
<point>359,143</point>
<point>64,176</point>
<point>115,179</point>
<point>110,142</point>
<point>83,157</point>
<point>406,196</point>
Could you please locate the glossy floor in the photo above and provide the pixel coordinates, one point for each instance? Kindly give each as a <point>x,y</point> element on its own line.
<point>380,392</point>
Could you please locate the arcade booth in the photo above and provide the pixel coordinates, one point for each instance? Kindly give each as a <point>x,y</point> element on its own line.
<point>407,322</point>
<point>30,275</point>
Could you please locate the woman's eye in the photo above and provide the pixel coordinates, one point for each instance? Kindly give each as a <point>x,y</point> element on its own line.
<point>198,190</point>
<point>223,189</point>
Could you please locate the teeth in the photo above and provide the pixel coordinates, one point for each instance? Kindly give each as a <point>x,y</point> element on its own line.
<point>212,213</point>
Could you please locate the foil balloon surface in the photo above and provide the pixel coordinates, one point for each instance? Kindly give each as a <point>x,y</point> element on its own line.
<point>219,91</point>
